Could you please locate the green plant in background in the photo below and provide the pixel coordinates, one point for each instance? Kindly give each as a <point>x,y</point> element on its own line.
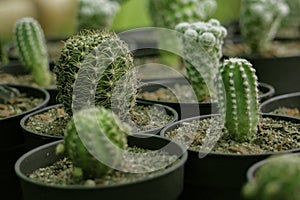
<point>96,14</point>
<point>278,179</point>
<point>93,141</point>
<point>290,24</point>
<point>237,92</point>
<point>103,60</point>
<point>32,49</point>
<point>202,51</point>
<point>168,13</point>
<point>260,21</point>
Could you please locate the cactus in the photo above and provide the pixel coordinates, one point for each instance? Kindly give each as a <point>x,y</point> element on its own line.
<point>96,14</point>
<point>168,13</point>
<point>94,140</point>
<point>237,90</point>
<point>260,21</point>
<point>32,49</point>
<point>102,60</point>
<point>276,179</point>
<point>202,50</point>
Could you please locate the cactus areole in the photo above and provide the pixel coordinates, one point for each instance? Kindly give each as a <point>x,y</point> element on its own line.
<point>96,61</point>
<point>31,45</point>
<point>238,98</point>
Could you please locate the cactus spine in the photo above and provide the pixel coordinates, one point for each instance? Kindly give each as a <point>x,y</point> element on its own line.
<point>260,21</point>
<point>32,49</point>
<point>94,141</point>
<point>168,13</point>
<point>238,98</point>
<point>202,50</point>
<point>96,14</point>
<point>103,60</point>
<point>276,179</point>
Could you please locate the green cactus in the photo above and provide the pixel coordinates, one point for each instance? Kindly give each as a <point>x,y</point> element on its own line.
<point>260,21</point>
<point>278,179</point>
<point>31,45</point>
<point>96,14</point>
<point>94,140</point>
<point>202,51</point>
<point>168,13</point>
<point>104,61</point>
<point>237,90</point>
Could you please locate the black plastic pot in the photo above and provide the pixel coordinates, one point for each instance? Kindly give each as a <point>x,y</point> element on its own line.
<point>12,143</point>
<point>190,109</point>
<point>289,100</point>
<point>165,185</point>
<point>10,126</point>
<point>16,68</point>
<point>35,139</point>
<point>217,175</point>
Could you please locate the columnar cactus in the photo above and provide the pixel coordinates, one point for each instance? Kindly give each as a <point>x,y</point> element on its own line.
<point>277,179</point>
<point>202,51</point>
<point>259,22</point>
<point>168,13</point>
<point>94,140</point>
<point>99,63</point>
<point>32,49</point>
<point>96,14</point>
<point>237,90</point>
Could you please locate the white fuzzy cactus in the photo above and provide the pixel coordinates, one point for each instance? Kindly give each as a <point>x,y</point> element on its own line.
<point>202,50</point>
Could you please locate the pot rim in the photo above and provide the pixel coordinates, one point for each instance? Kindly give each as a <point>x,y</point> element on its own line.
<point>177,165</point>
<point>162,132</point>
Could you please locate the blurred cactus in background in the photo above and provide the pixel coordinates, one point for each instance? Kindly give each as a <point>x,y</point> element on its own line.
<point>260,21</point>
<point>32,49</point>
<point>96,14</point>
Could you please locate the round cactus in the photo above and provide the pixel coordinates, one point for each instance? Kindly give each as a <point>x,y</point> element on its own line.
<point>31,45</point>
<point>96,14</point>
<point>277,179</point>
<point>168,13</point>
<point>94,140</point>
<point>260,21</point>
<point>202,51</point>
<point>98,65</point>
<point>237,91</point>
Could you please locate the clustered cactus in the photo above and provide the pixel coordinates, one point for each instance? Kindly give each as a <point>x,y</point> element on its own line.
<point>100,65</point>
<point>260,21</point>
<point>278,179</point>
<point>31,45</point>
<point>94,140</point>
<point>96,14</point>
<point>168,13</point>
<point>237,90</point>
<point>202,51</point>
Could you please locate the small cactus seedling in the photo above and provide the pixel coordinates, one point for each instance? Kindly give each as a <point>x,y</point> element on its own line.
<point>7,92</point>
<point>260,21</point>
<point>32,49</point>
<point>238,98</point>
<point>99,62</point>
<point>96,14</point>
<point>278,179</point>
<point>202,51</point>
<point>168,13</point>
<point>94,140</point>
